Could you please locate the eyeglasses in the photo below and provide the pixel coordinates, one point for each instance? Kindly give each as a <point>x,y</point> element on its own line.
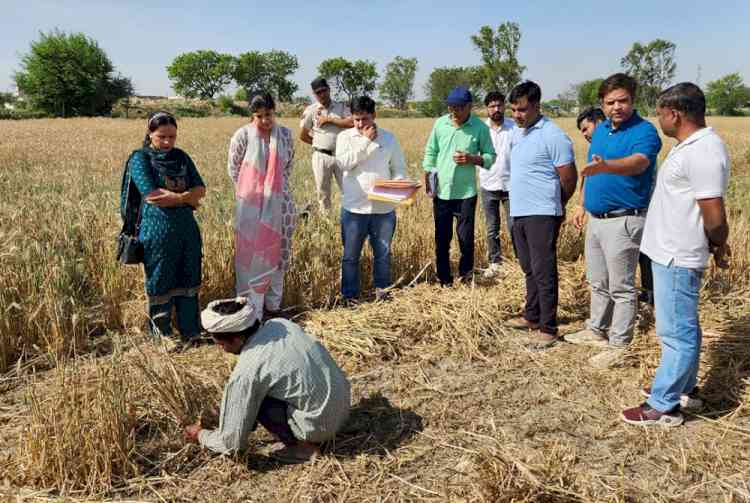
<point>321,91</point>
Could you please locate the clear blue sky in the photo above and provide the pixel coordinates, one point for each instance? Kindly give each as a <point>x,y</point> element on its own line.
<point>562,42</point>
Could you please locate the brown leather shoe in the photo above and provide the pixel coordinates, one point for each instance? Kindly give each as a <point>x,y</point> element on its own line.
<point>540,340</point>
<point>521,323</point>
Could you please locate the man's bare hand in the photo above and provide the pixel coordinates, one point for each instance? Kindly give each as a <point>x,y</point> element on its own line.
<point>460,157</point>
<point>192,432</point>
<point>722,254</point>
<point>322,118</point>
<point>370,132</point>
<point>579,218</point>
<point>595,167</point>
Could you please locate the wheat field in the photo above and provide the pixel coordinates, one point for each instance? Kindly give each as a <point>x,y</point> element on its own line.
<point>448,406</point>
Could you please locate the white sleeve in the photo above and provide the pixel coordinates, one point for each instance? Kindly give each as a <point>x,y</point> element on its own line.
<point>350,153</point>
<point>708,173</point>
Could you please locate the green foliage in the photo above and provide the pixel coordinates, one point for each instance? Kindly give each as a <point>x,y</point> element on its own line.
<point>201,74</point>
<point>587,93</point>
<point>441,82</point>
<point>69,74</point>
<point>398,83</point>
<point>6,98</point>
<point>727,95</point>
<point>653,66</point>
<point>240,94</point>
<point>225,103</point>
<point>349,79</point>
<point>500,68</point>
<point>270,71</point>
<point>21,114</point>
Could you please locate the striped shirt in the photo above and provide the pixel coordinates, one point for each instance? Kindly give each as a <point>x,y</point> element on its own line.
<point>282,362</point>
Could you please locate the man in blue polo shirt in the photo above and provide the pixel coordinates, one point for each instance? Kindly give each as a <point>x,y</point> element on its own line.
<point>542,178</point>
<point>618,182</point>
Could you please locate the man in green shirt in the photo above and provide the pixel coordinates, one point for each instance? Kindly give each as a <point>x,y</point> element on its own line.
<point>458,143</point>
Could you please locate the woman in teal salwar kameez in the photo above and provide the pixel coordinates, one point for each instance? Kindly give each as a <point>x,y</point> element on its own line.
<point>171,188</point>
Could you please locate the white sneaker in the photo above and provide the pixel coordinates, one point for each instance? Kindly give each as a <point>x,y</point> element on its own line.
<point>588,337</point>
<point>608,359</point>
<point>491,271</point>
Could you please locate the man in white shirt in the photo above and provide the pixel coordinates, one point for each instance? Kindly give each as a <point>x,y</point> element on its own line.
<point>321,123</point>
<point>686,224</point>
<point>495,182</point>
<point>366,153</point>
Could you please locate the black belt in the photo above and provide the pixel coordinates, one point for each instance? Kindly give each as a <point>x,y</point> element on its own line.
<point>323,151</point>
<point>631,212</point>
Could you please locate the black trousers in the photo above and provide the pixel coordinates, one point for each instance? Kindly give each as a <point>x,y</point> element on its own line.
<point>272,414</point>
<point>647,277</point>
<point>445,211</point>
<point>535,239</point>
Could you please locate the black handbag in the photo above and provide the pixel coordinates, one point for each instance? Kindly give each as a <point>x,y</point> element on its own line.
<point>129,249</point>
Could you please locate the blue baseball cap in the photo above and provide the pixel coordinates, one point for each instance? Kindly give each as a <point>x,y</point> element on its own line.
<point>459,97</point>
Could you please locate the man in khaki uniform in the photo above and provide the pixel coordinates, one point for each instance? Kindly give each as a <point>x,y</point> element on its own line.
<point>321,123</point>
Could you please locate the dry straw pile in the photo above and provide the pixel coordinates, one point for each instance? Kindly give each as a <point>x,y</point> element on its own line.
<point>448,406</point>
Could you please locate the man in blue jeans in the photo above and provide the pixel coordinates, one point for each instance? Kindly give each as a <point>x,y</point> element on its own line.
<point>366,153</point>
<point>686,224</point>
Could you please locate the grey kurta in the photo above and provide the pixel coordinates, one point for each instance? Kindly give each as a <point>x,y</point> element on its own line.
<point>282,362</point>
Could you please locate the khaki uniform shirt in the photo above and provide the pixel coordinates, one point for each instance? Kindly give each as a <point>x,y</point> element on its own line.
<point>324,137</point>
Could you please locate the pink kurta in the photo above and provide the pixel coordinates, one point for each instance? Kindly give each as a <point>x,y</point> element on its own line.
<point>265,215</point>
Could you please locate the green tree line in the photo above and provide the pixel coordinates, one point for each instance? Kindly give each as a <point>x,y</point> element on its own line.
<point>68,74</point>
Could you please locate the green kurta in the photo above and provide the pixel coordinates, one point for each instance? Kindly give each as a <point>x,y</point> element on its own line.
<point>170,236</point>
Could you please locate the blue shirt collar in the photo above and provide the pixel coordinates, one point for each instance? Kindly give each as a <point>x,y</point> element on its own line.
<point>634,119</point>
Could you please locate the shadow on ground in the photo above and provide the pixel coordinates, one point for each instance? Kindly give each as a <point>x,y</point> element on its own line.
<point>376,427</point>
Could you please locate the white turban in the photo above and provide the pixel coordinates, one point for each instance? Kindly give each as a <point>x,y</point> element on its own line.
<point>215,322</point>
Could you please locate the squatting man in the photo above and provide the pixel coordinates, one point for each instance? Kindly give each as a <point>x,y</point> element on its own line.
<point>284,380</point>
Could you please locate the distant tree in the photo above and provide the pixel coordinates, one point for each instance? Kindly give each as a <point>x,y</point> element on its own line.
<point>240,94</point>
<point>7,98</point>
<point>587,93</point>
<point>270,71</point>
<point>225,103</point>
<point>653,66</point>
<point>349,79</point>
<point>201,74</point>
<point>68,74</point>
<point>727,95</point>
<point>442,81</point>
<point>567,100</point>
<point>500,68</point>
<point>398,83</point>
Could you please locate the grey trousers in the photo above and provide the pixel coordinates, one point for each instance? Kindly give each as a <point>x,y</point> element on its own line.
<point>493,202</point>
<point>612,247</point>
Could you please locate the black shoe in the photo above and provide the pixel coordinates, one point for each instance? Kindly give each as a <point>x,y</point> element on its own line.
<point>647,297</point>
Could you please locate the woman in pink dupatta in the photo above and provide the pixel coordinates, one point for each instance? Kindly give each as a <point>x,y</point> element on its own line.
<point>260,163</point>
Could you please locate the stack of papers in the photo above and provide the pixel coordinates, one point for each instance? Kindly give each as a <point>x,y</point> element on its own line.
<point>398,192</point>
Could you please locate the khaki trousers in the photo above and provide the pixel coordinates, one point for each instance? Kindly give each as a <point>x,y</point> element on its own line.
<point>324,168</point>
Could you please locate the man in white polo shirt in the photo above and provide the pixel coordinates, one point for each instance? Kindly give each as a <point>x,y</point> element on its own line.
<point>366,153</point>
<point>686,224</point>
<point>495,182</point>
